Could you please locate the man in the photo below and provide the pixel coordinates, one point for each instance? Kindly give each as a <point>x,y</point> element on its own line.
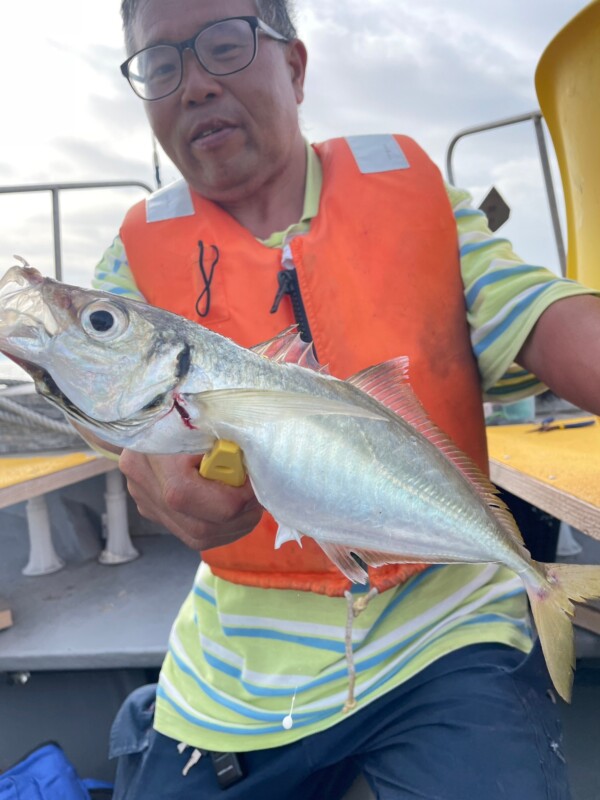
<point>356,240</point>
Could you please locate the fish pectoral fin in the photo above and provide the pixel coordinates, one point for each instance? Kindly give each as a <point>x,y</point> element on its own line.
<point>255,406</point>
<point>342,558</point>
<point>287,534</point>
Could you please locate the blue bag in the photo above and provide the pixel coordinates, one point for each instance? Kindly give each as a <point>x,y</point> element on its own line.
<point>47,774</point>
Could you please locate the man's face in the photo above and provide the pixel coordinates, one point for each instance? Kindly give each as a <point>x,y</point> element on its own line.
<point>229,134</point>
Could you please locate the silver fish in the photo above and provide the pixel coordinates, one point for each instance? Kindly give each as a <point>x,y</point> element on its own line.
<point>324,456</point>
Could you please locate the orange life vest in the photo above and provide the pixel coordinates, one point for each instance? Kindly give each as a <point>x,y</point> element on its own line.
<point>379,277</point>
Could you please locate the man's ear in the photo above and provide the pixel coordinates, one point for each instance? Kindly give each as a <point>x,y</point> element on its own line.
<point>297,57</point>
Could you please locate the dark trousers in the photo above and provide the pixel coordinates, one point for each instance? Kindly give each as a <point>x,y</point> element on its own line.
<point>478,724</point>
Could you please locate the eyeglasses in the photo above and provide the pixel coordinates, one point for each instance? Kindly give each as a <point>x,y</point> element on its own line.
<point>222,48</point>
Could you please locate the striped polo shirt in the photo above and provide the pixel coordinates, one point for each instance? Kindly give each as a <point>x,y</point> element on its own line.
<point>240,659</point>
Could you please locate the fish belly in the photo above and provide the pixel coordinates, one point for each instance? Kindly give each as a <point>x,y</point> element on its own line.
<point>364,485</point>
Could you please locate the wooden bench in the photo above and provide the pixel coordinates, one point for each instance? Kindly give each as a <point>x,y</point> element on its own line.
<point>30,478</point>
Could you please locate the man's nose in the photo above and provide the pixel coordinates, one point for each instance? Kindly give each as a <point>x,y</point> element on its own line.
<point>197,85</point>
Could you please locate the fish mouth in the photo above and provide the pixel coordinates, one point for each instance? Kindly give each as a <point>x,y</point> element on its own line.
<point>47,387</point>
<point>159,406</point>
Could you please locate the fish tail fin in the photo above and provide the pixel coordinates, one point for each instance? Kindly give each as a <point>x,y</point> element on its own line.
<point>552,608</point>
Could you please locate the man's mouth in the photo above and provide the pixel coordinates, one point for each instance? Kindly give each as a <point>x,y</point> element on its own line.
<point>212,132</point>
<point>208,133</point>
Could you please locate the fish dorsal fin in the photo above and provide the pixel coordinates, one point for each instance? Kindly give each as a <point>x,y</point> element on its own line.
<point>388,383</point>
<point>288,348</point>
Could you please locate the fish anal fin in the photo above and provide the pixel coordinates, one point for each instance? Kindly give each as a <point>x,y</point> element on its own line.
<point>342,558</point>
<point>375,558</point>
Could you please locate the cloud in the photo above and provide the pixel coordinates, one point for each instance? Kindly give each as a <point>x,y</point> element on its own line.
<point>90,219</point>
<point>82,159</point>
<point>424,68</point>
<point>428,69</point>
<point>7,173</point>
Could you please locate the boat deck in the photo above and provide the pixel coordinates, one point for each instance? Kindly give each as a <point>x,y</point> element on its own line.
<point>83,639</point>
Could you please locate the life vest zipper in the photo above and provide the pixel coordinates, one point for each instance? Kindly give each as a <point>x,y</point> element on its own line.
<point>288,284</point>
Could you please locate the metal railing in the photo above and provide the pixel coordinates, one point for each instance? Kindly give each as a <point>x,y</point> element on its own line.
<point>55,189</point>
<point>535,117</point>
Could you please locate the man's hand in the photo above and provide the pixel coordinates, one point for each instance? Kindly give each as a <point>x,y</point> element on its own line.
<point>202,513</point>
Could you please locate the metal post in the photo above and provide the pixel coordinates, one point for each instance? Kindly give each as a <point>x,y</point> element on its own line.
<point>560,246</point>
<point>536,118</point>
<point>55,189</point>
<point>56,235</point>
<point>500,123</point>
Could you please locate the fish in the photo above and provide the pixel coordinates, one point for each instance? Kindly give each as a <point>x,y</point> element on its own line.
<point>356,464</point>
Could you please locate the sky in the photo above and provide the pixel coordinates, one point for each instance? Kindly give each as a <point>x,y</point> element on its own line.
<point>427,69</point>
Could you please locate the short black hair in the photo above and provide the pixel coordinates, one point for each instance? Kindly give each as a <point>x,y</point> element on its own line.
<point>276,13</point>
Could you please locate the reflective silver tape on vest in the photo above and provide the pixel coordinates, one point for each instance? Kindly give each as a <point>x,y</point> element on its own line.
<point>170,202</point>
<point>377,153</point>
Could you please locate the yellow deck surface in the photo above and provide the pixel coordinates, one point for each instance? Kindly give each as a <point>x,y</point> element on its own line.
<point>567,460</point>
<point>18,470</point>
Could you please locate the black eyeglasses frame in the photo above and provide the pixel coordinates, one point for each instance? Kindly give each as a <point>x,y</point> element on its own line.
<point>256,24</point>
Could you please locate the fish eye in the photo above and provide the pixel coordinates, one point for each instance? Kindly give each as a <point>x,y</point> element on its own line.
<point>103,320</point>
